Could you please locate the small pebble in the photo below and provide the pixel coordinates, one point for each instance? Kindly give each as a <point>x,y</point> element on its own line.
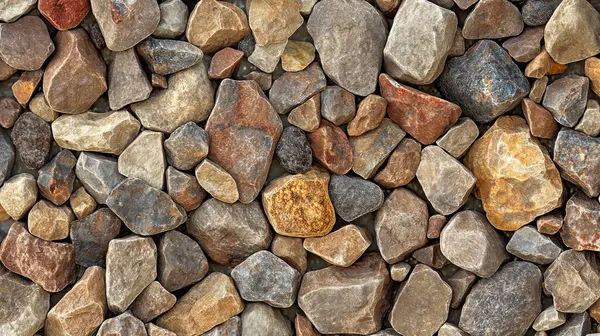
<point>549,224</point>
<point>127,82</point>
<point>307,116</point>
<point>224,63</point>
<point>92,234</point>
<point>48,221</point>
<point>370,150</point>
<point>590,121</point>
<point>9,112</point>
<point>24,88</point>
<point>459,138</point>
<point>401,166</point>
<point>541,123</point>
<point>528,244</point>
<point>82,203</point>
<point>399,271</point>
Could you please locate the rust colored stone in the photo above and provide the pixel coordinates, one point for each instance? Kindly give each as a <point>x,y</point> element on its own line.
<point>592,71</point>
<point>224,62</point>
<point>594,311</point>
<point>308,115</point>
<point>402,165</point>
<point>55,179</point>
<point>542,65</point>
<point>331,148</point>
<point>541,123</point>
<point>371,111</point>
<point>304,327</point>
<point>9,112</point>
<point>64,15</point>
<point>25,87</point>
<point>159,81</point>
<point>549,224</point>
<point>435,225</point>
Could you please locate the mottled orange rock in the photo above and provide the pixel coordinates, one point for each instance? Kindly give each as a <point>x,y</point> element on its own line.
<point>290,249</point>
<point>342,247</point>
<point>369,115</point>
<point>299,205</point>
<point>542,65</point>
<point>224,63</point>
<point>541,123</point>
<point>24,88</point>
<point>308,115</point>
<point>331,148</point>
<point>64,15</point>
<point>592,71</point>
<point>402,165</point>
<point>549,224</point>
<point>516,178</point>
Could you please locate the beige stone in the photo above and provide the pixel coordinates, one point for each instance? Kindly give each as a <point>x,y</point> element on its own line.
<point>342,247</point>
<point>217,181</point>
<point>18,195</point>
<point>50,222</point>
<point>145,159</point>
<point>297,55</point>
<point>82,203</point>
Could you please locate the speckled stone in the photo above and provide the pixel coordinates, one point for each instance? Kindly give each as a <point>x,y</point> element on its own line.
<point>98,174</point>
<point>216,181</point>
<point>144,158</point>
<point>124,324</point>
<point>578,324</point>
<point>493,19</point>
<point>399,271</point>
<point>181,261</point>
<point>165,57</point>
<point>273,21</point>
<point>459,137</point>
<point>25,44</point>
<point>590,121</point>
<point>574,154</point>
<point>581,224</point>
<point>369,115</point>
<point>152,302</point>
<point>353,197</point>
<point>18,194</point>
<point>293,151</point>
<point>337,105</point>
<point>530,245</point>
<point>32,138</point>
<point>566,99</point>
<point>184,189</point>
<point>342,247</point>
<point>294,88</point>
<point>402,165</point>
<point>24,307</point>
<point>538,12</point>
<point>538,88</point>
<point>9,112</point>
<point>331,148</point>
<point>91,235</point>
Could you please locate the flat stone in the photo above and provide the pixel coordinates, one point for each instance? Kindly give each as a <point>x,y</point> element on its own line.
<point>189,97</point>
<point>98,174</point>
<point>231,327</point>
<point>303,327</point>
<point>446,182</point>
<point>401,225</point>
<point>449,329</point>
<point>125,24</point>
<point>55,179</point>
<point>50,265</point>
<point>82,309</point>
<point>549,224</point>
<point>207,304</point>
<point>187,146</point>
<point>530,173</point>
<point>64,16</point>
<point>76,75</point>
<point>574,153</point>
<point>341,29</point>
<point>165,57</point>
<point>184,189</point>
<point>18,195</point>
<point>471,243</point>
<point>11,10</point>
<point>538,12</point>
<point>431,256</point>
<point>91,235</point>
<point>24,88</point>
<point>152,302</point>
<point>24,307</point>
<point>571,34</point>
<point>217,181</point>
<point>263,79</point>
<point>459,137</point>
<point>402,165</point>
<point>530,245</point>
<point>419,60</point>
<point>369,115</point>
<point>542,65</point>
<point>473,82</point>
<point>290,249</point>
<point>526,46</point>
<point>293,151</point>
<point>181,261</point>
<point>582,220</point>
<point>541,123</point>
<point>297,55</point>
<point>538,88</point>
<point>337,105</point>
<point>461,282</point>
<point>39,106</point>
<point>173,19</point>
<point>371,149</point>
<point>590,121</point>
<point>25,44</point>
<point>48,221</point>
<point>493,19</point>
<point>363,285</point>
<point>507,303</point>
<point>229,233</point>
<point>299,205</point>
<point>82,203</point>
<point>9,112</point>
<point>224,62</point>
<point>261,319</point>
<point>144,158</point>
<point>573,272</point>
<point>295,88</point>
<point>307,116</point>
<point>566,99</point>
<point>549,319</point>
<point>127,82</point>
<point>130,267</point>
<point>144,209</point>
<point>154,330</point>
<point>233,126</point>
<point>273,21</point>
<point>578,324</point>
<point>353,197</point>
<point>342,247</point>
<point>32,138</point>
<point>124,324</point>
<point>399,271</point>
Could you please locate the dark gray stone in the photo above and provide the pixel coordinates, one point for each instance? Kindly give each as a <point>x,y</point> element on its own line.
<point>32,138</point>
<point>294,88</point>
<point>91,235</point>
<point>181,261</point>
<point>186,146</point>
<point>165,57</point>
<point>98,173</point>
<point>577,325</point>
<point>261,319</point>
<point>293,151</point>
<point>55,179</point>
<point>528,244</point>
<point>576,154</point>
<point>7,156</point>
<point>538,12</point>
<point>566,99</point>
<point>353,197</point>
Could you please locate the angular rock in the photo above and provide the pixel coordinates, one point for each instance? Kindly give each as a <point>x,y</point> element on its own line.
<point>98,174</point>
<point>566,99</point>
<point>32,138</point>
<point>263,79</point>
<point>538,88</point>
<point>290,249</point>
<point>538,12</point>
<point>48,221</point>
<point>91,236</point>
<point>144,158</point>
<point>127,82</point>
<point>76,75</point>
<point>493,19</point>
<point>229,233</point>
<point>7,157</point>
<point>402,165</point>
<point>158,81</point>
<point>25,44</point>
<point>484,82</point>
<point>401,225</point>
<point>431,256</point>
<point>173,19</point>
<point>152,302</point>
<point>303,326</point>
<point>549,224</point>
<point>592,71</point>
<point>590,121</point>
<point>267,57</point>
<point>82,203</point>
<point>542,65</point>
<point>293,151</point>
<point>124,324</point>
<point>64,16</point>
<point>435,225</point>
<point>399,271</point>
<point>187,146</point>
<point>461,282</point>
<point>294,88</point>
<point>11,10</point>
<point>18,195</point>
<point>55,179</point>
<point>342,247</point>
<point>549,319</point>
<point>369,115</point>
<point>581,224</point>
<point>308,115</point>
<point>574,153</point>
<point>578,324</point>
<point>332,149</point>
<point>337,105</point>
<point>541,123</point>
<point>217,181</point>
<point>24,306</point>
<point>273,21</point>
<point>224,62</point>
<point>184,189</point>
<point>526,46</point>
<point>261,319</point>
<point>130,267</point>
<point>181,261</point>
<point>9,112</point>
<point>154,330</point>
<point>458,46</point>
<point>297,55</point>
<point>459,137</point>
<point>387,7</point>
<point>6,71</point>
<point>353,197</point>
<point>530,245</point>
<point>165,57</point>
<point>471,243</point>
<point>24,88</point>
<point>231,327</point>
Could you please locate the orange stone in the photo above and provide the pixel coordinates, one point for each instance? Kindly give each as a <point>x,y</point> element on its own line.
<point>371,111</point>
<point>542,65</point>
<point>25,87</point>
<point>331,148</point>
<point>541,123</point>
<point>592,71</point>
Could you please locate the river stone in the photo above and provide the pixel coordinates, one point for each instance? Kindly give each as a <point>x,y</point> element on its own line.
<point>229,233</point>
<point>342,247</point>
<point>574,154</point>
<point>290,249</point>
<point>402,165</point>
<point>363,286</point>
<point>152,302</point>
<point>181,261</point>
<point>401,225</point>
<point>337,105</point>
<point>234,126</point>
<point>549,319</point>
<point>207,304</point>
<point>231,327</point>
<point>369,115</point>
<point>493,19</point>
<point>353,197</point>
<point>127,82</point>
<point>532,177</point>
<point>91,236</point>
<point>541,123</point>
<point>12,10</point>
<point>82,203</point>
<point>341,29</point>
<point>130,267</point>
<point>505,304</point>
<point>526,46</point>
<point>592,71</point>
<point>187,146</point>
<point>261,319</point>
<point>98,174</point>
<point>297,55</point>
<point>419,60</point>
<point>308,115</point>
<point>224,63</point>
<point>18,195</point>
<point>273,22</point>
<point>173,19</point>
<point>24,305</point>
<point>25,44</point>
<point>293,151</point>
<point>50,265</point>
<point>165,57</point>
<point>32,138</point>
<point>125,324</point>
<point>82,309</point>
<point>55,179</point>
<point>566,99</point>
<point>64,16</point>
<point>184,189</point>
<point>7,156</point>
<point>267,57</point>
<point>530,245</point>
<point>295,88</point>
<point>484,82</point>
<point>144,158</point>
<point>578,324</point>
<point>217,181</point>
<point>581,224</point>
<point>471,243</point>
<point>48,221</point>
<point>189,97</point>
<point>590,121</point>
<point>144,209</point>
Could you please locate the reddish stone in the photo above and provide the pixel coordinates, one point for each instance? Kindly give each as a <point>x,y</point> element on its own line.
<point>541,123</point>
<point>423,116</point>
<point>401,166</point>
<point>224,63</point>
<point>304,327</point>
<point>435,226</point>
<point>24,88</point>
<point>371,111</point>
<point>331,148</point>
<point>64,14</point>
<point>50,265</point>
<point>549,224</point>
<point>9,112</point>
<point>159,81</point>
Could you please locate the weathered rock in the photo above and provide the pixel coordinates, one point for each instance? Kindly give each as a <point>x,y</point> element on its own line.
<point>295,88</point>
<point>363,286</point>
<point>24,88</point>
<point>18,195</point>
<point>39,106</point>
<point>144,209</point>
<point>471,243</point>
<point>369,115</point>
<point>267,57</point>
<point>461,282</point>
<point>297,55</point>
<point>184,189</point>
<point>7,156</point>
<point>342,247</point>
<point>530,173</point>
<point>574,153</point>
<point>484,82</point>
<point>187,146</point>
<point>154,330</point>
<point>229,233</point>
<point>290,249</point>
<point>590,121</point>
<point>130,267</point>
<point>542,65</point>
<point>181,261</point>
<point>158,81</point>
<point>538,88</point>
<point>91,236</point>
<point>399,271</point>
<point>401,225</point>
<point>217,181</point>
<point>353,197</point>
<point>493,19</point>
<point>55,179</point>
<point>211,302</point>
<point>593,311</point>
<point>419,60</point>
<point>549,319</point>
<point>260,319</point>
<point>165,57</point>
<point>173,19</point>
<point>25,44</point>
<point>331,148</point>
<point>458,45</point>
<point>76,75</point>
<point>273,21</point>
<point>11,10</point>
<point>32,138</point>
<point>459,137</point>
<point>449,329</point>
<point>6,71</point>
<point>50,265</point>
<point>124,324</point>
<point>566,99</point>
<point>308,115</point>
<point>24,305</point>
<point>549,224</point>
<point>538,12</point>
<point>9,112</point>
<point>341,29</point>
<point>293,151</point>
<point>303,326</point>
<point>526,46</point>
<point>263,79</point>
<point>530,245</point>
<point>299,205</point>
<point>592,71</point>
<point>144,158</point>
<point>387,7</point>
<point>337,105</point>
<point>82,203</point>
<point>152,302</point>
<point>573,272</point>
<point>127,81</point>
<point>402,165</point>
<point>64,16</point>
<point>578,324</point>
<point>231,327</point>
<point>431,256</point>
<point>98,174</point>
<point>189,97</point>
<point>82,309</point>
<point>541,123</point>
<point>581,224</point>
<point>224,62</point>
<point>505,304</point>
<point>48,221</point>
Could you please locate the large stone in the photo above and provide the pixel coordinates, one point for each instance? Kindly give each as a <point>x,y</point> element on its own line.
<point>125,324</point>
<point>290,249</point>
<point>331,148</point>
<point>12,10</point>
<point>581,224</point>
<point>574,154</point>
<point>295,88</point>
<point>341,29</point>
<point>566,99</point>
<point>144,158</point>
<point>260,319</point>
<point>18,195</point>
<point>130,267</point>
<point>181,261</point>
<point>534,181</point>
<point>187,146</point>
<point>493,19</point>
<point>152,302</point>
<point>99,174</point>
<point>48,221</point>
<point>25,44</point>
<point>355,297</point>
<point>165,57</point>
<point>337,105</point>
<point>293,151</point>
<point>369,115</point>
<point>173,19</point>
<point>273,22</point>
<point>419,41</point>
<point>530,245</point>
<point>50,265</point>
<point>55,179</point>
<point>76,75</point>
<point>91,236</point>
<point>342,247</point>
<point>32,138</point>
<point>64,16</point>
<point>459,137</point>
<point>244,130</point>
<point>7,156</point>
<point>484,82</point>
<point>353,197</point>
<point>127,82</point>
<point>24,305</point>
<point>184,189</point>
<point>216,181</point>
<point>229,233</point>
<point>402,165</point>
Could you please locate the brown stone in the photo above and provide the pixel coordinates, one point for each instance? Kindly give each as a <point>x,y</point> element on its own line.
<point>431,256</point>
<point>549,224</point>
<point>55,179</point>
<point>461,282</point>
<point>263,79</point>
<point>297,55</point>
<point>48,221</point>
<point>541,123</point>
<point>459,137</point>
<point>542,65</point>
<point>32,138</point>
<point>184,189</point>
<point>369,115</point>
<point>538,88</point>
<point>6,71</point>
<point>493,19</point>
<point>303,326</point>
<point>123,325</point>
<point>224,62</point>
<point>290,249</point>
<point>159,81</point>
<point>82,203</point>
<point>582,223</point>
<point>294,88</point>
<point>592,71</point>
<point>64,15</point>
<point>371,149</point>
<point>525,47</point>
<point>402,165</point>
<point>337,105</point>
<point>76,75</point>
<point>25,44</point>
<point>50,265</point>
<point>331,148</point>
<point>24,88</point>
<point>342,247</point>
<point>9,112</point>
<point>216,181</point>
<point>273,21</point>
<point>308,115</point>
<point>399,271</point>
<point>435,225</point>
<point>39,106</point>
<point>152,302</point>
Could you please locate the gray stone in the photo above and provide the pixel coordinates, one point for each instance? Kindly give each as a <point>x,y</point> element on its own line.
<point>449,329</point>
<point>32,138</point>
<point>505,304</point>
<point>530,245</point>
<point>181,261</point>
<point>55,179</point>
<point>459,137</point>
<point>91,236</point>
<point>99,174</point>
<point>231,327</point>
<point>461,282</point>
<point>337,105</point>
<point>127,82</point>
<point>187,146</point>
<point>123,325</point>
<point>419,41</point>
<point>590,121</point>
<point>538,88</point>
<point>18,195</point>
<point>165,57</point>
<point>144,158</point>
<point>7,156</point>
<point>493,19</point>
<point>575,154</point>
<point>538,12</point>
<point>152,302</point>
<point>549,319</point>
<point>261,319</point>
<point>578,324</point>
<point>353,197</point>
<point>24,305</point>
<point>294,88</point>
<point>267,57</point>
<point>25,44</point>
<point>173,19</point>
<point>184,189</point>
<point>582,223</point>
<point>341,29</point>
<point>293,151</point>
<point>11,10</point>
<point>566,99</point>
<point>263,79</point>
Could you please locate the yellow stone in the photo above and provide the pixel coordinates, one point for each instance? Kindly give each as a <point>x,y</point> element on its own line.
<point>297,55</point>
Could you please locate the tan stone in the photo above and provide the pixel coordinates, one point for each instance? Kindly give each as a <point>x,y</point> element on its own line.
<point>402,165</point>
<point>297,55</point>
<point>217,181</point>
<point>152,301</point>
<point>154,330</point>
<point>592,71</point>
<point>308,115</point>
<point>26,86</point>
<point>342,247</point>
<point>538,88</point>
<point>542,65</point>
<point>18,195</point>
<point>50,222</point>
<point>39,106</point>
<point>369,115</point>
<point>290,249</point>
<point>273,21</point>
<point>82,203</point>
<point>145,159</point>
